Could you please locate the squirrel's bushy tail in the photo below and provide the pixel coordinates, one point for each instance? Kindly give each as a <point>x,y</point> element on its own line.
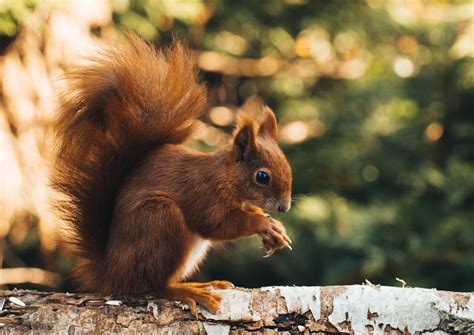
<point>124,102</point>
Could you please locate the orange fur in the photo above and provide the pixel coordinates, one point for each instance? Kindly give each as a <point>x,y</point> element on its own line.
<point>142,208</point>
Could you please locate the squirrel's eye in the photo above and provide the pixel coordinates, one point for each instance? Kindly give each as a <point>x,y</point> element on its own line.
<point>262,177</point>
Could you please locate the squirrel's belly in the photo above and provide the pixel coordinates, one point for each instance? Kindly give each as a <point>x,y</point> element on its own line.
<point>195,256</point>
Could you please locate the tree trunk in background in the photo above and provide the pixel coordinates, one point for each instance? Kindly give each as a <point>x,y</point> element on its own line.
<point>359,309</point>
<point>30,72</point>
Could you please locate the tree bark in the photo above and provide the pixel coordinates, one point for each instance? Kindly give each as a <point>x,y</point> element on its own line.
<point>358,309</point>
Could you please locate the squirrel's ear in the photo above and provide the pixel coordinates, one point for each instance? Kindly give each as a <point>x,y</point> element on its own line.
<point>244,140</point>
<point>263,115</point>
<point>268,127</point>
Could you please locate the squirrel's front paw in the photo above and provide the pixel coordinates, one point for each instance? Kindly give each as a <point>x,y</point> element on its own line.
<point>274,236</point>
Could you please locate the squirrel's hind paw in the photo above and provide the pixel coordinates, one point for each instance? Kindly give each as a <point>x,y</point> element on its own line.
<point>194,295</point>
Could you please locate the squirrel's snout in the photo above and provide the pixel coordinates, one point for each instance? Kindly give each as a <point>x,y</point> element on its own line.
<point>284,206</point>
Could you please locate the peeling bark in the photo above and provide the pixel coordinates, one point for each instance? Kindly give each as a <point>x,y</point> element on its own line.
<point>358,309</point>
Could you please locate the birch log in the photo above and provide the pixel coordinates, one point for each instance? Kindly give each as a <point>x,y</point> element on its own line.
<point>358,309</point>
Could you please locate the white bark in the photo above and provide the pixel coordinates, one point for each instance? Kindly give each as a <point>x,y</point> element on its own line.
<point>268,310</point>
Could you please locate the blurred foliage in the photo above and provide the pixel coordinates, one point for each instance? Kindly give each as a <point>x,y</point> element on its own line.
<point>10,14</point>
<point>375,102</point>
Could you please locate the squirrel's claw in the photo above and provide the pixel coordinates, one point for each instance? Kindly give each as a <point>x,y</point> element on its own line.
<point>269,252</point>
<point>286,238</point>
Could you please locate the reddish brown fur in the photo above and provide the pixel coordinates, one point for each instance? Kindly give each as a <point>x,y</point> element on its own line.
<point>141,205</point>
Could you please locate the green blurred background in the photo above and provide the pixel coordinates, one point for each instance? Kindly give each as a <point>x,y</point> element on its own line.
<point>375,101</point>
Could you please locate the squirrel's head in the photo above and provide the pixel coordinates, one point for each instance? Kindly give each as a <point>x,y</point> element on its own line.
<point>262,173</point>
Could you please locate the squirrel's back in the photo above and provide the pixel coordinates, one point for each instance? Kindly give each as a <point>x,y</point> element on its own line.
<point>126,101</point>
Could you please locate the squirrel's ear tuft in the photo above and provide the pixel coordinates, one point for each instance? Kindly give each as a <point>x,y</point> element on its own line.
<point>253,106</point>
<point>263,116</point>
<point>268,127</point>
<point>244,140</point>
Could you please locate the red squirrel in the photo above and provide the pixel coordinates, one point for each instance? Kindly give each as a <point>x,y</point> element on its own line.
<point>141,208</point>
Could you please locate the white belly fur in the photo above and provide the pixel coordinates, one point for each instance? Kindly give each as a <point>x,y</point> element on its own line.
<point>195,256</point>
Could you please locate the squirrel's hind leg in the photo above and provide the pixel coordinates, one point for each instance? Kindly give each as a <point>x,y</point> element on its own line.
<point>160,250</point>
<point>148,245</point>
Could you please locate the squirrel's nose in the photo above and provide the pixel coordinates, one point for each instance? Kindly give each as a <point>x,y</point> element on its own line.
<point>284,206</point>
